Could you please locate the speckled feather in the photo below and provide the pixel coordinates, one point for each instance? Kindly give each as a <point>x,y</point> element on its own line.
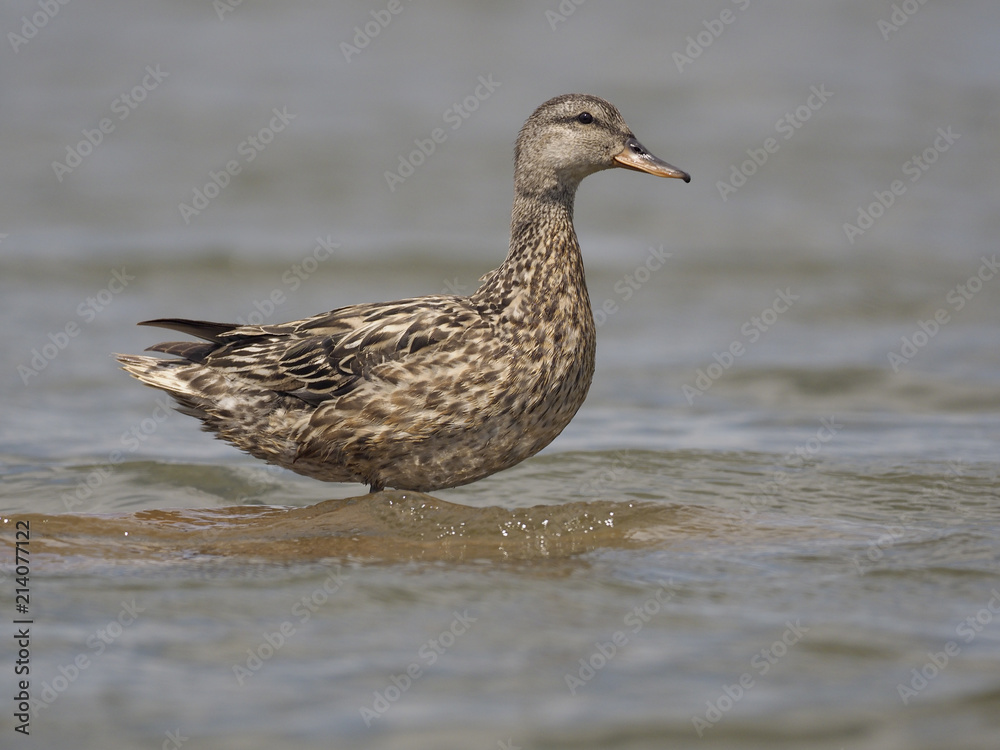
<point>429,392</point>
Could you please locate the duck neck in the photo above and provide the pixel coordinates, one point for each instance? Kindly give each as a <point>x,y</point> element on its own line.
<point>544,256</point>
<point>549,212</point>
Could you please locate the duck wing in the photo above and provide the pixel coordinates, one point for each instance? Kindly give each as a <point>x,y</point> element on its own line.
<point>327,355</point>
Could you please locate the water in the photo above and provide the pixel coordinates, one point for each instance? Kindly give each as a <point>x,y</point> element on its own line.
<point>774,523</point>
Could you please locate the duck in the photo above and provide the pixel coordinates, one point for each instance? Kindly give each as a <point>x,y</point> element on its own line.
<point>431,392</point>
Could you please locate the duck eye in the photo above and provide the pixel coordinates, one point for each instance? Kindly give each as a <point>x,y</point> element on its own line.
<point>585,117</point>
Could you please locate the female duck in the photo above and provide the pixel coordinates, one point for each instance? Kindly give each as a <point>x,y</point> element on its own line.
<point>430,392</point>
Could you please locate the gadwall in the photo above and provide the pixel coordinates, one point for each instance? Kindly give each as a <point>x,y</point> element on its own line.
<point>429,392</point>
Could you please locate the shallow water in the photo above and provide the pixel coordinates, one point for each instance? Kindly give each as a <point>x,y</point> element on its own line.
<point>261,624</point>
<point>795,545</point>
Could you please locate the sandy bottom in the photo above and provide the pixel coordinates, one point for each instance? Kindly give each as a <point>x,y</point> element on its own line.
<point>386,526</point>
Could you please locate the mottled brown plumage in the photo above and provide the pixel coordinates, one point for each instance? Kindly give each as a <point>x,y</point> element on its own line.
<point>430,392</point>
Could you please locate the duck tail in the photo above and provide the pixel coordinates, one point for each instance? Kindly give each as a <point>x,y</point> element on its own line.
<point>242,416</point>
<point>186,379</point>
<point>178,377</point>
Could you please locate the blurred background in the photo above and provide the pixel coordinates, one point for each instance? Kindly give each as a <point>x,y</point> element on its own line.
<point>356,112</point>
<point>228,161</point>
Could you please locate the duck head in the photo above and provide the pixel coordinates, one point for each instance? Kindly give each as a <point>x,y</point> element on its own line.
<point>572,136</point>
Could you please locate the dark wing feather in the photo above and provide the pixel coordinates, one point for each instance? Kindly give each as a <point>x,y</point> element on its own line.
<point>193,351</point>
<point>199,328</point>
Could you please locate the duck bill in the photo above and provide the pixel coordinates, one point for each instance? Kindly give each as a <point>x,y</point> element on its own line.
<point>635,156</point>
